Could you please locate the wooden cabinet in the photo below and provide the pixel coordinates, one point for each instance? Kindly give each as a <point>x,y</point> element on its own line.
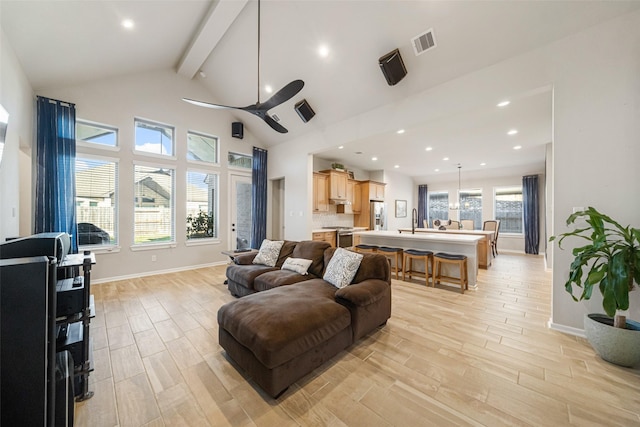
<point>325,236</point>
<point>354,195</point>
<point>376,191</point>
<point>320,192</point>
<point>337,184</point>
<point>369,190</point>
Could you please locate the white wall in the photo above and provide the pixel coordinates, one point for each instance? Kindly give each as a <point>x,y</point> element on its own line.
<point>399,187</point>
<point>156,96</point>
<point>16,96</point>
<point>596,131</point>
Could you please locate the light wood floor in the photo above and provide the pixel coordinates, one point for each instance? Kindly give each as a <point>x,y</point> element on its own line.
<point>482,358</point>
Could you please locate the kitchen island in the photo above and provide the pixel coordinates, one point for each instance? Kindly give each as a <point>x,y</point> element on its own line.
<point>462,244</point>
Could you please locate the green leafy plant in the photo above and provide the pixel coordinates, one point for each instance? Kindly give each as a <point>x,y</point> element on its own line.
<point>200,225</point>
<point>610,260</point>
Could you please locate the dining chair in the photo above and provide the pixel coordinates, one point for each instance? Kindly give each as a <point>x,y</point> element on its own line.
<point>493,225</point>
<point>467,224</point>
<point>453,225</point>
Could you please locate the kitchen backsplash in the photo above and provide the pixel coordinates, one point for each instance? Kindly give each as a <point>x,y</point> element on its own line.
<point>329,219</point>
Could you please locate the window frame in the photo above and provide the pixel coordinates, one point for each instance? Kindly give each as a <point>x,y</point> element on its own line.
<point>172,156</point>
<point>429,193</point>
<point>204,163</point>
<point>495,210</point>
<point>204,240</point>
<point>115,246</point>
<point>87,144</point>
<point>462,209</point>
<point>239,168</point>
<point>173,237</point>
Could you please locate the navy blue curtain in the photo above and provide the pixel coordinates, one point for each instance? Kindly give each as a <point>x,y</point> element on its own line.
<point>423,208</point>
<point>259,197</point>
<point>530,208</point>
<point>56,169</point>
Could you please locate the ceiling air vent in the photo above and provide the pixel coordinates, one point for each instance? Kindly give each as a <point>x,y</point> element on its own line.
<point>423,42</point>
<point>275,117</point>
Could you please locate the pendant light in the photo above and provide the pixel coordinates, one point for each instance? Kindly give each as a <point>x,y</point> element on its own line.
<point>456,206</point>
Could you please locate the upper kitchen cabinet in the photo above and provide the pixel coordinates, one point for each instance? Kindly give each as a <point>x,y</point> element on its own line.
<point>354,195</point>
<point>337,185</point>
<point>320,192</point>
<point>375,190</point>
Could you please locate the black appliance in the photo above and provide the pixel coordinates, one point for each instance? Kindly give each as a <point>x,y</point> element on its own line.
<point>344,236</point>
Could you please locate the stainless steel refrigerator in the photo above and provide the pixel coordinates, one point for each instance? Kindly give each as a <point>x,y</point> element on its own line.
<point>378,220</point>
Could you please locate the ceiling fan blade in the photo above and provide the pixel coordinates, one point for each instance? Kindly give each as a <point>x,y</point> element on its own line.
<point>283,95</point>
<point>274,125</point>
<point>207,104</point>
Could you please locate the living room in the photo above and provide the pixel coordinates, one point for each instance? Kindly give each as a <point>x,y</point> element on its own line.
<point>596,95</point>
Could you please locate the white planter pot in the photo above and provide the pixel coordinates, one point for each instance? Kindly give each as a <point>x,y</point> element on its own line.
<point>615,345</point>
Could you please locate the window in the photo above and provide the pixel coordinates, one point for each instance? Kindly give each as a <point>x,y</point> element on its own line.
<point>154,138</point>
<point>97,201</point>
<point>202,205</point>
<point>240,160</point>
<point>201,147</point>
<point>94,133</point>
<point>153,204</point>
<point>438,205</point>
<point>471,207</point>
<point>509,209</point>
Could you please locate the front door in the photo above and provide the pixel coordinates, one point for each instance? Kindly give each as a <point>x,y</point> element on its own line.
<point>240,215</point>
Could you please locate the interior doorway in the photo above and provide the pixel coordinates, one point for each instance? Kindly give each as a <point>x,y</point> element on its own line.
<point>240,212</point>
<point>277,209</point>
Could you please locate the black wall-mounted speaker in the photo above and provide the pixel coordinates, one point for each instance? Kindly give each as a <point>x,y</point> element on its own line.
<point>392,67</point>
<point>304,110</point>
<point>237,130</point>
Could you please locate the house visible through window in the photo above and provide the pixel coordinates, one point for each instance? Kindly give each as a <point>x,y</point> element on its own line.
<point>94,133</point>
<point>471,207</point>
<point>97,201</point>
<point>154,138</point>
<point>438,205</point>
<point>203,148</point>
<point>153,204</point>
<point>240,160</point>
<point>508,209</point>
<point>202,205</point>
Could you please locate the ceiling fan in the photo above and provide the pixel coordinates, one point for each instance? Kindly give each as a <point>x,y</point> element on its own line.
<point>260,109</point>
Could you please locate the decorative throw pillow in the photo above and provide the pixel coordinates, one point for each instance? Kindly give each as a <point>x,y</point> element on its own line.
<point>268,253</point>
<point>436,223</point>
<point>299,265</point>
<point>342,267</point>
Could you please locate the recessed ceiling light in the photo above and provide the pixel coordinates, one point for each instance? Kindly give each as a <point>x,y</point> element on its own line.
<point>437,170</point>
<point>396,166</point>
<point>428,149</point>
<point>128,23</point>
<point>400,131</point>
<point>512,132</point>
<point>341,147</point>
<point>483,164</point>
<point>517,147</point>
<point>374,158</point>
<point>445,159</point>
<point>268,88</point>
<point>504,104</point>
<point>323,51</point>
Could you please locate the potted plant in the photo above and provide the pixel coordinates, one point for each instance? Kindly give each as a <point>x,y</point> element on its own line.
<point>610,260</point>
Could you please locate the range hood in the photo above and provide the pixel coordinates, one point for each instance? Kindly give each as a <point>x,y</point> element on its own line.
<point>339,201</point>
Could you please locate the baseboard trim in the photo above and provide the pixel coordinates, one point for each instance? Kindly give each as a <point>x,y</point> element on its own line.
<point>157,272</point>
<point>566,329</point>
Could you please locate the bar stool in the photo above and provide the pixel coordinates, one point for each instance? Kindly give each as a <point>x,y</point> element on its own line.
<point>366,248</point>
<point>411,254</point>
<point>394,254</point>
<point>459,260</point>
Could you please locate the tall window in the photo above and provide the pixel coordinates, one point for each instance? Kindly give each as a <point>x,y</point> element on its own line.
<point>508,209</point>
<point>240,160</point>
<point>202,205</point>
<point>201,147</point>
<point>94,133</point>
<point>471,207</point>
<point>438,206</point>
<point>153,204</point>
<point>154,138</point>
<point>97,200</point>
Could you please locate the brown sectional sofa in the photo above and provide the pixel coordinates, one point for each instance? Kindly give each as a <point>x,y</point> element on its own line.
<point>285,326</point>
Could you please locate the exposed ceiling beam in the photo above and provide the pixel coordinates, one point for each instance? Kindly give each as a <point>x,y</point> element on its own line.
<point>213,27</point>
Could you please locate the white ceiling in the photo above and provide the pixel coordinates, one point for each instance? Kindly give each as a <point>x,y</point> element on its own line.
<point>61,43</point>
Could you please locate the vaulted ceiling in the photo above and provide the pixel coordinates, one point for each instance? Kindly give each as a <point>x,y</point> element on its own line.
<point>61,43</point>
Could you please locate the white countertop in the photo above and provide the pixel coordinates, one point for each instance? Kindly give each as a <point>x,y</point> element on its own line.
<point>322,230</point>
<point>432,237</point>
<point>449,230</point>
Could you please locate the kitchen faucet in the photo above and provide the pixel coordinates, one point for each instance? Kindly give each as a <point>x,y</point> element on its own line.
<point>414,220</point>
